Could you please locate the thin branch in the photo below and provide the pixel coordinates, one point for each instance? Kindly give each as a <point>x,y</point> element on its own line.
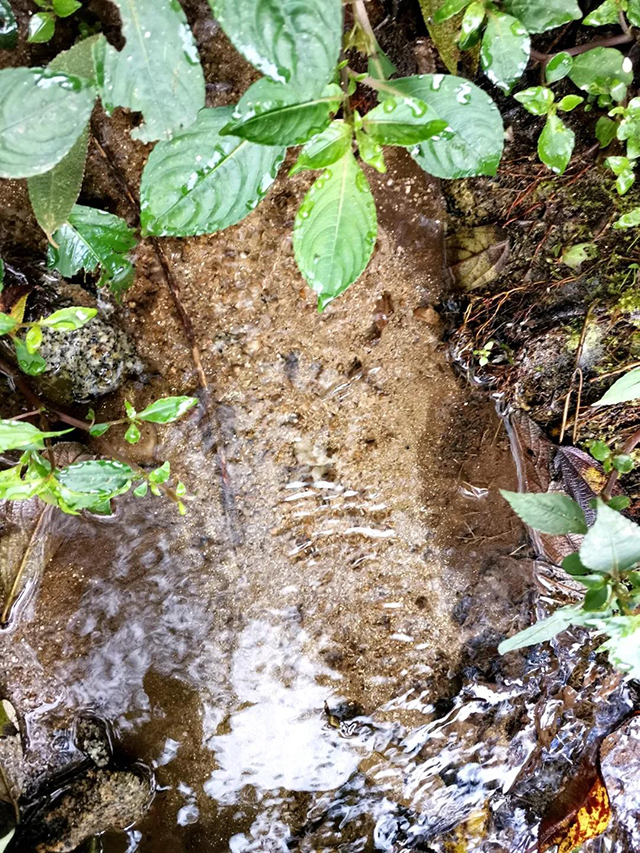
<point>609,41</point>
<point>630,444</point>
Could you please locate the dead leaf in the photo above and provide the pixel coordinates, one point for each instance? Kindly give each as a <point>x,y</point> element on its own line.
<point>12,773</point>
<point>475,256</point>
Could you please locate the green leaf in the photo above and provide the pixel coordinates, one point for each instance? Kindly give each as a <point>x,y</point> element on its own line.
<point>167,409</point>
<point>537,100</point>
<point>403,121</point>
<point>8,26</point>
<point>547,511</point>
<point>271,114</point>
<point>569,102</point>
<point>69,319</point>
<point>605,131</point>
<point>612,543</point>
<point>161,474</point>
<point>324,149</point>
<point>42,26</point>
<point>42,114</point>
<point>7,323</point>
<point>335,230</point>
<point>595,599</point>
<point>21,435</point>
<point>474,146</point>
<point>129,409</point>
<point>573,565</point>
<point>141,490</point>
<point>54,193</point>
<point>93,239</point>
<point>505,50</point>
<point>470,26</point>
<point>132,435</point>
<point>379,65</point>
<point>623,463</point>
<point>98,430</point>
<point>538,16</point>
<point>555,144</point>
<point>33,339</point>
<point>633,12</point>
<point>370,151</point>
<point>201,182</point>
<point>601,70</point>
<point>627,220</point>
<point>599,450</point>
<point>542,631</point>
<point>64,8</point>
<point>288,41</point>
<point>607,13</point>
<point>14,487</point>
<point>157,73</point>
<point>31,363</point>
<point>623,646</point>
<point>619,503</point>
<point>558,67</point>
<point>575,256</point>
<point>448,9</point>
<point>102,478</point>
<point>626,388</point>
<point>442,35</point>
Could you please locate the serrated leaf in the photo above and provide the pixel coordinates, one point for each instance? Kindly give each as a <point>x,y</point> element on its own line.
<point>542,631</point>
<point>96,477</point>
<point>167,409</point>
<point>505,50</point>
<point>607,13</point>
<point>272,114</point>
<point>558,67</point>
<point>600,70</point>
<point>42,26</point>
<point>555,144</point>
<point>8,26</point>
<point>547,511</point>
<point>157,73</point>
<point>612,543</point>
<point>69,319</point>
<point>21,435</point>
<point>403,121</point>
<point>324,149</point>
<point>536,100</point>
<point>200,182</point>
<point>54,193</point>
<point>288,41</point>
<point>475,144</point>
<point>335,230</point>
<point>30,363</point>
<point>538,16</point>
<point>42,114</point>
<point>90,239</point>
<point>627,388</point>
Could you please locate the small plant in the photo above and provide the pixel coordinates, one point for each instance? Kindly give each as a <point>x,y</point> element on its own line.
<point>42,25</point>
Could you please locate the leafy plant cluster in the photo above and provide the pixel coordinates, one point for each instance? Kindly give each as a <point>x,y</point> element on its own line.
<point>607,563</point>
<point>92,484</point>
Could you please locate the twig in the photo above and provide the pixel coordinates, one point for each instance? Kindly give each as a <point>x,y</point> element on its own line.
<point>609,41</point>
<point>577,371</point>
<point>15,586</point>
<point>615,372</point>
<point>627,447</point>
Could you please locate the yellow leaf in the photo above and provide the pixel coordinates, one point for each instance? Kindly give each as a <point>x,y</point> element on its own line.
<point>17,312</point>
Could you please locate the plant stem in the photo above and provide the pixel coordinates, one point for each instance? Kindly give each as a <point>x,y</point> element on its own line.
<point>631,443</point>
<point>609,41</point>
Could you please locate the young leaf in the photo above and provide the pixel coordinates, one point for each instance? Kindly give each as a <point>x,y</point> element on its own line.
<point>558,67</point>
<point>403,121</point>
<point>141,490</point>
<point>607,13</point>
<point>33,339</point>
<point>335,230</point>
<point>64,8</point>
<point>42,26</point>
<point>573,565</point>
<point>21,435</point>
<point>470,26</point>
<point>7,323</point>
<point>622,463</point>
<point>157,73</point>
<point>31,363</point>
<point>547,511</point>
<point>595,599</point>
<point>627,220</point>
<point>54,193</point>
<point>15,487</point>
<point>542,631</point>
<point>94,238</point>
<point>167,409</point>
<point>626,388</point>
<point>575,256</point>
<point>201,182</point>
<point>474,145</point>
<point>288,41</point>
<point>600,71</point>
<point>370,151</point>
<point>98,478</point>
<point>599,450</point>
<point>612,543</point>
<point>8,26</point>
<point>161,474</point>
<point>537,100</point>
<point>42,114</point>
<point>605,131</point>
<point>619,503</point>
<point>555,144</point>
<point>538,16</point>
<point>98,430</point>
<point>505,50</point>
<point>68,319</point>
<point>569,102</point>
<point>324,149</point>
<point>274,115</point>
<point>448,9</point>
<point>132,435</point>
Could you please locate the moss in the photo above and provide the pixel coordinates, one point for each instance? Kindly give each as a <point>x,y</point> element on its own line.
<point>629,303</point>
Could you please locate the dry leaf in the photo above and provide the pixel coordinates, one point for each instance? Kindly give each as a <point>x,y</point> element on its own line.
<point>582,811</point>
<point>12,772</point>
<point>475,256</point>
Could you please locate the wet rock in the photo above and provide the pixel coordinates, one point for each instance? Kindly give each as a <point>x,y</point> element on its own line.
<point>98,801</point>
<point>91,735</point>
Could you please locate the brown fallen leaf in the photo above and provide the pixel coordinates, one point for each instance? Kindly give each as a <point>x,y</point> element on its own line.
<point>475,256</point>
